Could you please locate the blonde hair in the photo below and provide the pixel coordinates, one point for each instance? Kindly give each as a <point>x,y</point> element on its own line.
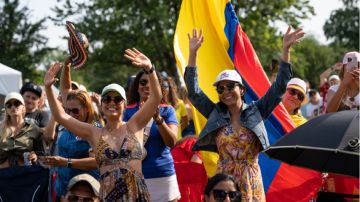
<point>85,101</point>
<point>6,123</point>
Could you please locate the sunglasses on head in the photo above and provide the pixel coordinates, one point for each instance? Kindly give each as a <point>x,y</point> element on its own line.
<point>143,82</point>
<point>220,195</point>
<point>228,86</point>
<point>74,198</point>
<point>298,94</point>
<point>16,103</point>
<point>75,111</point>
<point>107,99</point>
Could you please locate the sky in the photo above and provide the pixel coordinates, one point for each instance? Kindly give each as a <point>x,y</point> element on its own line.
<point>314,25</point>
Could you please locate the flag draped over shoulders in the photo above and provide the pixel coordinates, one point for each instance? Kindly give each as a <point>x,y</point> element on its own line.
<point>226,46</point>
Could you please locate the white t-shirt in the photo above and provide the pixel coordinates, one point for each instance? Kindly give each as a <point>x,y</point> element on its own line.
<point>313,110</point>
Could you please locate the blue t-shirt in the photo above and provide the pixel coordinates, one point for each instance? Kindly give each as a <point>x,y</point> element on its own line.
<point>158,161</point>
<point>70,146</point>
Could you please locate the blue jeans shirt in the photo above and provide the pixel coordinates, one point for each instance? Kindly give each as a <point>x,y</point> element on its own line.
<point>70,146</point>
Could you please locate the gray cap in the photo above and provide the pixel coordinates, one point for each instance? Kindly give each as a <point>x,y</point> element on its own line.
<point>95,185</point>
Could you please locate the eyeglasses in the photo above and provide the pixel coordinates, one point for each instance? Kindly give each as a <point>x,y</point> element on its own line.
<point>107,99</point>
<point>220,195</point>
<point>75,198</point>
<point>143,82</point>
<point>298,94</point>
<point>75,111</point>
<point>16,103</point>
<point>228,86</point>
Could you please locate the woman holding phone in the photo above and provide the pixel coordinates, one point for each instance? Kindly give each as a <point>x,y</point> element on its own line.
<point>346,96</point>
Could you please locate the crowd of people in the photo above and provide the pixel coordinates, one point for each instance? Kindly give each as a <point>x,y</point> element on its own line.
<point>120,145</point>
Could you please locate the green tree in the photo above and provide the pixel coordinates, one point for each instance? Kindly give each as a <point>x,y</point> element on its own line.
<point>258,19</point>
<point>149,25</point>
<point>21,45</point>
<point>310,59</point>
<point>113,26</point>
<point>343,26</point>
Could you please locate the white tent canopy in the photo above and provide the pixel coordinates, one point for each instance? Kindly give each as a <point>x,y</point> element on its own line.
<point>10,80</point>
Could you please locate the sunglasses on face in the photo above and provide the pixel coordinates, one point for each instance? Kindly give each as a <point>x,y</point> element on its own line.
<point>143,82</point>
<point>220,195</point>
<point>75,111</point>
<point>298,94</point>
<point>107,99</point>
<point>16,103</point>
<point>74,198</point>
<point>228,86</point>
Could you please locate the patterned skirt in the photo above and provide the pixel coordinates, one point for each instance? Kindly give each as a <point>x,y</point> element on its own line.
<point>122,184</point>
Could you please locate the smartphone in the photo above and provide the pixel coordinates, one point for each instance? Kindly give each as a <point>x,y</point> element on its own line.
<point>352,64</point>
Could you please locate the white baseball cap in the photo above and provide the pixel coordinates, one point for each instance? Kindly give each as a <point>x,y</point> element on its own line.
<point>351,55</point>
<point>336,77</point>
<point>95,185</point>
<point>14,95</point>
<point>297,84</point>
<point>228,75</point>
<point>115,88</point>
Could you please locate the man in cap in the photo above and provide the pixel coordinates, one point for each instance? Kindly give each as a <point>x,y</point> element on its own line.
<point>83,187</point>
<point>32,95</point>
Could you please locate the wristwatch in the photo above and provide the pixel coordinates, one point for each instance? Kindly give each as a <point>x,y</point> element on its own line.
<point>69,163</point>
<point>151,70</point>
<point>159,121</point>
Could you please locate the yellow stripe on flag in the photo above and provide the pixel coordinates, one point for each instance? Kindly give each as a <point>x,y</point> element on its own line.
<point>208,15</point>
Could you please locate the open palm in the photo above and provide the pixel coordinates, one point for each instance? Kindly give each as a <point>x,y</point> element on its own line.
<point>50,76</point>
<point>137,58</point>
<point>291,38</point>
<point>195,40</point>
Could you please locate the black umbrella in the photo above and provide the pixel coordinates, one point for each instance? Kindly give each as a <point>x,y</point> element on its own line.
<point>328,143</point>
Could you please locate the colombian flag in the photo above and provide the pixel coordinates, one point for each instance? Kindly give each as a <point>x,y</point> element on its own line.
<point>226,46</point>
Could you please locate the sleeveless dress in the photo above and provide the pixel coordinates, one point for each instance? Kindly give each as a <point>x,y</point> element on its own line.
<point>238,156</point>
<point>121,182</point>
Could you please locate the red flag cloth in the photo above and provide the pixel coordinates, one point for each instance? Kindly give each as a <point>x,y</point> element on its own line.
<point>191,176</point>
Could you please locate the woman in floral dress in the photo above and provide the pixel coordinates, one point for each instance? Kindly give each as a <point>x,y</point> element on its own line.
<point>234,128</point>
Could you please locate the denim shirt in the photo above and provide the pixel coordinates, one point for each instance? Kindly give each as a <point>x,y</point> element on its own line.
<point>252,115</point>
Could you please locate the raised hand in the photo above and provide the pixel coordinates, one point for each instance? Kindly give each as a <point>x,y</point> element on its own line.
<point>291,38</point>
<point>138,59</point>
<point>195,40</point>
<point>50,76</point>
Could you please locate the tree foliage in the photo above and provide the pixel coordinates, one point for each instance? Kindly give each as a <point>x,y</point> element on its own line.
<point>113,26</point>
<point>149,25</point>
<point>343,26</point>
<point>21,45</point>
<point>310,59</point>
<point>258,18</point>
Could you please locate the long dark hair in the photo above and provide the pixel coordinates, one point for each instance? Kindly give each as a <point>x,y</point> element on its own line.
<point>172,97</point>
<point>134,96</point>
<point>219,178</point>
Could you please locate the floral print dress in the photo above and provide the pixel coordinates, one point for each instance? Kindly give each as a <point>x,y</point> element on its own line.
<point>239,152</point>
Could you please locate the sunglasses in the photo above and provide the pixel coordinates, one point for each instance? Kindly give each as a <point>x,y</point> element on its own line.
<point>16,103</point>
<point>75,111</point>
<point>107,99</point>
<point>298,94</point>
<point>220,195</point>
<point>143,82</point>
<point>228,86</point>
<point>74,198</point>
